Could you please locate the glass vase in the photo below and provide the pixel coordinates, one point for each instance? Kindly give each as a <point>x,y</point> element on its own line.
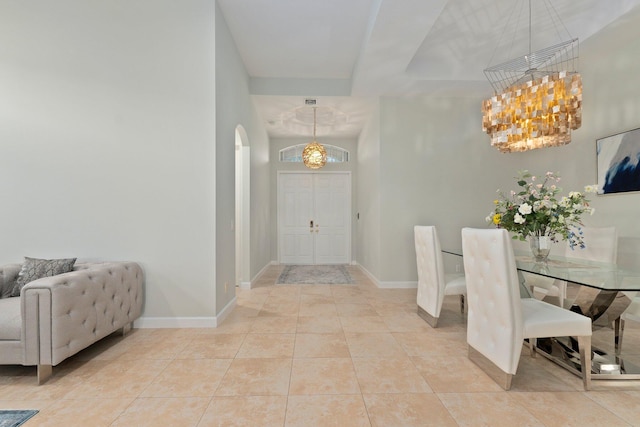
<point>540,247</point>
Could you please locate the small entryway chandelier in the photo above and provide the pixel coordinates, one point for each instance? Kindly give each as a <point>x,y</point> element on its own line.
<point>538,97</point>
<point>314,155</point>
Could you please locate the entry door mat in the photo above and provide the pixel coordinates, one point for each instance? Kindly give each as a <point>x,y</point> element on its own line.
<point>11,418</point>
<point>315,275</point>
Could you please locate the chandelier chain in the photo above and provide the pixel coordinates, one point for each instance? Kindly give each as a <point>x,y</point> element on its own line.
<point>530,50</point>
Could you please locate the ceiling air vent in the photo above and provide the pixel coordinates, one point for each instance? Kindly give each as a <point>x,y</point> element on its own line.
<point>310,102</point>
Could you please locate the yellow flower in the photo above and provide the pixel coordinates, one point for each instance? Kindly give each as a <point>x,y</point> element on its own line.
<point>496,201</point>
<point>496,218</point>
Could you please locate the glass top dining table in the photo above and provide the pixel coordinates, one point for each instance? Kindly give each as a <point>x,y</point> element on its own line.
<point>597,275</point>
<point>601,291</point>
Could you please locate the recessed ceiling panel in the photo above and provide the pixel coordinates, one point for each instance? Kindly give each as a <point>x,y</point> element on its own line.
<point>394,47</point>
<point>471,35</point>
<point>298,38</point>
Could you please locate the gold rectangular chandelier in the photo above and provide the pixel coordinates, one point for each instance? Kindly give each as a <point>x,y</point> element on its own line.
<point>537,100</point>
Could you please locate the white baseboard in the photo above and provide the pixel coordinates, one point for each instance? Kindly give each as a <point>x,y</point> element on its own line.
<point>398,285</point>
<point>388,285</point>
<point>369,275</point>
<point>248,285</point>
<point>185,322</point>
<point>175,322</point>
<point>226,311</point>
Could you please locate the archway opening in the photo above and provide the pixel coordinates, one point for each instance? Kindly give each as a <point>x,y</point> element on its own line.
<point>242,203</point>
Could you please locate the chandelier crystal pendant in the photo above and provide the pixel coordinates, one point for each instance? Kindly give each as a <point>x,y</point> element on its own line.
<point>314,155</point>
<point>538,98</point>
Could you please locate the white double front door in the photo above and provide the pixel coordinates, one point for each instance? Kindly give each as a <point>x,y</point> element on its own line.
<point>314,217</point>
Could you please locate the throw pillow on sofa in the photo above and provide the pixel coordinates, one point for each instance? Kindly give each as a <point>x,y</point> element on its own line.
<point>6,288</point>
<point>34,269</point>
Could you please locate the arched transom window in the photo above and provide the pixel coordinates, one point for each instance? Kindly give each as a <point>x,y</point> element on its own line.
<point>294,154</point>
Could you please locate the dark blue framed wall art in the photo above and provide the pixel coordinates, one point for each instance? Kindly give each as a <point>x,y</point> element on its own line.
<point>619,162</point>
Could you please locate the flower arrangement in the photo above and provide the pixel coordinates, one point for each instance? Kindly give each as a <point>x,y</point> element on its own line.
<point>538,210</point>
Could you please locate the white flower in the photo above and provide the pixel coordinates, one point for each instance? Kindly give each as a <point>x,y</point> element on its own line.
<point>524,209</point>
<point>590,188</point>
<point>545,204</point>
<point>538,206</point>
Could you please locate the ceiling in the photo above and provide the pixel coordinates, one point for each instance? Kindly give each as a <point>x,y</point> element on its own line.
<point>345,53</point>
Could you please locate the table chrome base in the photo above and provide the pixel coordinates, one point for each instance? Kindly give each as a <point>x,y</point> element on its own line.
<point>564,352</point>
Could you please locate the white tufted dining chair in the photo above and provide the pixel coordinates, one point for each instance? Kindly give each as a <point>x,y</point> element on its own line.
<point>433,284</point>
<point>498,320</point>
<point>631,313</point>
<point>601,244</point>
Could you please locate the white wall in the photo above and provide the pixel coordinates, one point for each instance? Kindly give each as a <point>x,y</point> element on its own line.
<point>437,167</point>
<point>277,144</point>
<point>368,196</point>
<point>235,107</point>
<point>610,65</point>
<point>261,232</point>
<point>107,137</point>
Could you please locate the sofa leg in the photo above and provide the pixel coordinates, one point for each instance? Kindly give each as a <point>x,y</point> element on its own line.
<point>126,329</point>
<point>44,373</point>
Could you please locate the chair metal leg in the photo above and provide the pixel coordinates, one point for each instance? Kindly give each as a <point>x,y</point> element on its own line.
<point>532,346</point>
<point>618,331</point>
<point>498,375</point>
<point>584,344</point>
<point>432,321</point>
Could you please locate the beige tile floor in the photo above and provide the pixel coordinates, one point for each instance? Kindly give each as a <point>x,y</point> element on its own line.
<point>313,355</point>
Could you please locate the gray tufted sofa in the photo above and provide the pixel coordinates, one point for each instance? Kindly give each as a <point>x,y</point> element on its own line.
<point>56,317</point>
